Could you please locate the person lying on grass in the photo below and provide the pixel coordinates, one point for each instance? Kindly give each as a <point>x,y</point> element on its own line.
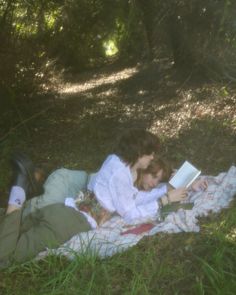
<point>22,238</point>
<point>114,184</point>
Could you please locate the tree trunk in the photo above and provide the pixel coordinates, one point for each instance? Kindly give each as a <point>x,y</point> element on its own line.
<point>181,49</point>
<point>148,13</point>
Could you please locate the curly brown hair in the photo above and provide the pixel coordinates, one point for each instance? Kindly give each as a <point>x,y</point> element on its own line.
<point>135,143</point>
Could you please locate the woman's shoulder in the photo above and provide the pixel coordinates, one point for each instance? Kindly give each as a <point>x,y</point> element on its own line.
<point>113,160</point>
<point>114,165</point>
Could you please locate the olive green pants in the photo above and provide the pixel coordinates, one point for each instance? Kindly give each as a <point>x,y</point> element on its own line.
<point>49,227</point>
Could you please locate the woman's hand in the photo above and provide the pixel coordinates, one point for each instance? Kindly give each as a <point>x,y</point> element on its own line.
<point>199,185</point>
<point>103,217</point>
<point>177,195</point>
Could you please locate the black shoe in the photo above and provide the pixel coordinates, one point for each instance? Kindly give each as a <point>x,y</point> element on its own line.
<point>24,175</point>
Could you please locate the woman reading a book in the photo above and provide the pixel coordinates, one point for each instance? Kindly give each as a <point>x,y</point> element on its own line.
<point>113,187</point>
<point>114,184</point>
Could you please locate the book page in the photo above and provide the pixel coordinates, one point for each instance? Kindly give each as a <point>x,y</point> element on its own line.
<point>185,175</point>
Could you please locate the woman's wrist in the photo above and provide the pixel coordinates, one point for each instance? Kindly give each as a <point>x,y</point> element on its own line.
<point>165,200</point>
<point>168,197</point>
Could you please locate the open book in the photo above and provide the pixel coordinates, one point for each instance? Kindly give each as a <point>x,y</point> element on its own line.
<point>184,176</point>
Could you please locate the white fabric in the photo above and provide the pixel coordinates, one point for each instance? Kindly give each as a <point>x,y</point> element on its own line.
<point>107,240</point>
<point>114,189</point>
<point>17,196</point>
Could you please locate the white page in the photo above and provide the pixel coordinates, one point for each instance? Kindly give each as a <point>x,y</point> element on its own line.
<point>185,175</point>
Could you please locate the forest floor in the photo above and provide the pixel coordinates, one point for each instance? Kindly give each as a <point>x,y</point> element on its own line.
<point>77,124</point>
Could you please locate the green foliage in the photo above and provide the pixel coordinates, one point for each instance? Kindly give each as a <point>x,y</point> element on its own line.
<point>78,132</point>
<point>202,263</point>
<point>199,35</point>
<point>202,35</point>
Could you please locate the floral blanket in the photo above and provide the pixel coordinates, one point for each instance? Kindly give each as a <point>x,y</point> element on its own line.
<point>114,236</point>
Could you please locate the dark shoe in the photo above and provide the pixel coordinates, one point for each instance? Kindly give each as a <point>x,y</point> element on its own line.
<point>24,175</point>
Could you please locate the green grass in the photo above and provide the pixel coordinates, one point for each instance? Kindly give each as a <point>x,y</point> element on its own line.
<point>186,263</point>
<point>77,132</point>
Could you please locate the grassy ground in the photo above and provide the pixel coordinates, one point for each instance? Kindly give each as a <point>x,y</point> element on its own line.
<point>76,129</point>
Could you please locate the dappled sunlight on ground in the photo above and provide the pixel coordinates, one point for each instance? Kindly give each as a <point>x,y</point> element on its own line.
<point>189,108</point>
<point>72,88</point>
<point>164,115</point>
<point>194,122</point>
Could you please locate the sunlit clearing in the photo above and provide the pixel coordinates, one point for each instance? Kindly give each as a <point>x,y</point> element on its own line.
<point>110,48</point>
<point>93,83</point>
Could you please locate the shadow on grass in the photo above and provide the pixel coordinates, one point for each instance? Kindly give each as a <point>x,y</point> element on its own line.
<point>80,128</point>
<point>183,263</point>
<point>208,143</point>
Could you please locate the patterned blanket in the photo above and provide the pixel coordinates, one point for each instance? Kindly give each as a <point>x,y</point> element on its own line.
<point>115,236</point>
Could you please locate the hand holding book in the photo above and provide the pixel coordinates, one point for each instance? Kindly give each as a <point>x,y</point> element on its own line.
<point>177,195</point>
<point>184,176</point>
<point>180,181</point>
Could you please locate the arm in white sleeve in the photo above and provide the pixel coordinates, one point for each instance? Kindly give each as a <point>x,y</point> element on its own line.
<point>144,197</point>
<point>123,197</point>
<point>131,216</point>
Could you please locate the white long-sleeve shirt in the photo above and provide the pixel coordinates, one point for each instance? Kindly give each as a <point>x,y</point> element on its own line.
<point>114,189</point>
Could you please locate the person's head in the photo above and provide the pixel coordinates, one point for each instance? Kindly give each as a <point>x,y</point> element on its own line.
<point>135,144</point>
<point>157,171</point>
